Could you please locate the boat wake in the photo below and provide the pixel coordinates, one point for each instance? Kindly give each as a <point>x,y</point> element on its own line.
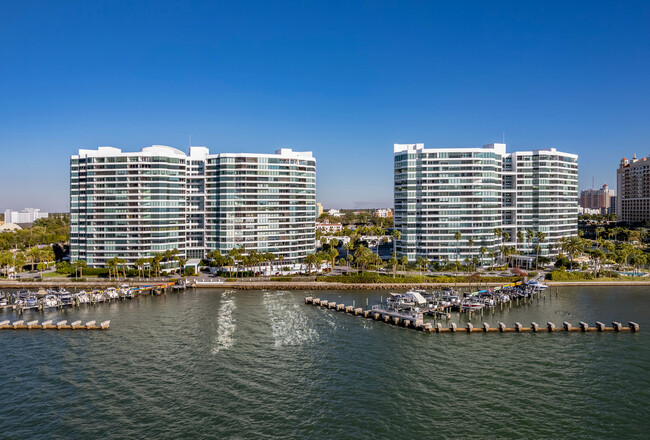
<point>288,324</point>
<point>224,339</point>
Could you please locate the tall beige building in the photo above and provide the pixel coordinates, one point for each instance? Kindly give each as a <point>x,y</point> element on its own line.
<point>597,199</point>
<point>633,185</point>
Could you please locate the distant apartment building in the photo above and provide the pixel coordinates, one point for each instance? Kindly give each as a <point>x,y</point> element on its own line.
<point>319,210</point>
<point>27,215</point>
<point>136,204</point>
<point>328,228</point>
<point>633,188</point>
<point>384,213</point>
<point>599,199</point>
<point>335,213</point>
<point>473,191</point>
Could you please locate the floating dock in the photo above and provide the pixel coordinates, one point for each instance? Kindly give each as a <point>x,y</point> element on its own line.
<point>391,318</point>
<point>49,325</point>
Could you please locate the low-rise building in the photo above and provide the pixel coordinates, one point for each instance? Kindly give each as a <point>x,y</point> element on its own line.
<point>328,228</point>
<point>27,215</point>
<point>384,213</point>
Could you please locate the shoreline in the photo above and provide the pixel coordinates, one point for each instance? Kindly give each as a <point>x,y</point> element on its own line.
<point>298,285</point>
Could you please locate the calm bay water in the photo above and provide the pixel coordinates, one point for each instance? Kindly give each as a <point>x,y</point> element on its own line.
<point>261,364</point>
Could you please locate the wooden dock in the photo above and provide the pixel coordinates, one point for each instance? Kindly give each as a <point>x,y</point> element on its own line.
<point>379,315</point>
<point>49,325</point>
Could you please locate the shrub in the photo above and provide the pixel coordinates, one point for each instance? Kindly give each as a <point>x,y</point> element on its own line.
<point>281,278</point>
<point>189,271</point>
<point>562,275</point>
<point>64,268</point>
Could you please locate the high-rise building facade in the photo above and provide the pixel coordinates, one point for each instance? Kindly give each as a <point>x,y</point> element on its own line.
<point>597,199</point>
<point>474,191</point>
<point>136,204</point>
<point>633,187</point>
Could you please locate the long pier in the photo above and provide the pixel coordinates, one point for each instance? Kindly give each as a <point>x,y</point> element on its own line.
<point>49,325</point>
<point>550,327</point>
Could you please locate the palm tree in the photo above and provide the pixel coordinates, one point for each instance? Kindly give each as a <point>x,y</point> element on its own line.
<point>33,255</point>
<point>111,265</point>
<point>6,261</point>
<point>470,242</point>
<point>396,235</point>
<point>236,255</point>
<point>505,237</point>
<point>181,265</point>
<point>529,235</point>
<point>311,260</point>
<point>333,253</point>
<point>482,251</point>
<point>520,237</point>
<point>573,246</point>
<point>79,266</point>
<point>403,261</point>
<point>421,263</point>
<point>541,238</point>
<point>157,258</point>
<point>457,237</point>
<point>392,262</point>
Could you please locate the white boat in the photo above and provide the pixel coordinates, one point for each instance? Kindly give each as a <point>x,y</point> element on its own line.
<point>537,285</point>
<point>98,296</point>
<point>83,297</point>
<point>472,305</point>
<point>50,301</point>
<point>111,293</point>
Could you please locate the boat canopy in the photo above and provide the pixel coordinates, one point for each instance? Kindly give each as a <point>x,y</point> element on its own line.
<point>416,297</point>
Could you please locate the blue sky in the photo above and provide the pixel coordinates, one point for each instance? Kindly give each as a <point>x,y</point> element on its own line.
<point>343,79</point>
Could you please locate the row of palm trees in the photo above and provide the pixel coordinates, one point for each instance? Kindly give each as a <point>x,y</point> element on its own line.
<point>36,257</point>
<point>624,253</point>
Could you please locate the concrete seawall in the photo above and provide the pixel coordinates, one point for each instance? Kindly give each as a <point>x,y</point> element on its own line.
<point>298,285</point>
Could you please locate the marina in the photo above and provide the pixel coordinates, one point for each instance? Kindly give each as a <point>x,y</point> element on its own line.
<point>409,309</point>
<point>59,298</point>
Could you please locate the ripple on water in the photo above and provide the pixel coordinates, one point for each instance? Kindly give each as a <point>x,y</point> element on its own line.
<point>289,323</point>
<point>226,323</point>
